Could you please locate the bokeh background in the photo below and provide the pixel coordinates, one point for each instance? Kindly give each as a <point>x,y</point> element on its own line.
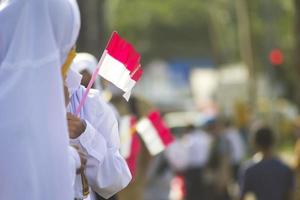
<point>234,59</point>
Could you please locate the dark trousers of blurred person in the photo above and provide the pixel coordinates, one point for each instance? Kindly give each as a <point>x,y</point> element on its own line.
<point>195,187</point>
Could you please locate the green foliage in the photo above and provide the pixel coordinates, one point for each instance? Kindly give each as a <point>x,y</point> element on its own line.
<point>202,28</point>
<point>162,28</point>
<point>272,24</point>
<point>208,29</point>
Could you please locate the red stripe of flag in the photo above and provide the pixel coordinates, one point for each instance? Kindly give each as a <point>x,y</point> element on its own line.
<point>122,51</point>
<point>113,43</point>
<point>133,61</point>
<point>137,75</point>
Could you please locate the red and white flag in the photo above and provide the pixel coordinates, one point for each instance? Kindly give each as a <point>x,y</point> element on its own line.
<point>120,64</point>
<point>154,132</point>
<point>130,142</point>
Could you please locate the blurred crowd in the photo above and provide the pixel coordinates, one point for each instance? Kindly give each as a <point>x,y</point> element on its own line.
<point>218,158</point>
<point>217,161</point>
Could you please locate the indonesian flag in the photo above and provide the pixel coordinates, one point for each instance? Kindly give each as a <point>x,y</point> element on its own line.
<point>154,132</point>
<point>120,64</point>
<point>130,143</point>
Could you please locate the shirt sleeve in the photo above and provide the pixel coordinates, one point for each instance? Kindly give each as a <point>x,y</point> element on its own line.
<point>106,170</point>
<point>110,177</point>
<point>93,143</point>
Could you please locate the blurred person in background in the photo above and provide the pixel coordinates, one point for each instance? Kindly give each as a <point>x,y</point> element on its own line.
<point>236,146</point>
<point>137,107</point>
<point>266,176</point>
<point>189,156</point>
<point>219,161</point>
<point>158,179</point>
<point>199,145</point>
<point>178,159</point>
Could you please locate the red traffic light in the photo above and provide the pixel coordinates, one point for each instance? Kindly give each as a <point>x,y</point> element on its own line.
<point>276,57</point>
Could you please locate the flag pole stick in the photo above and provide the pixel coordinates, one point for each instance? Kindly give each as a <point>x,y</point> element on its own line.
<point>93,79</point>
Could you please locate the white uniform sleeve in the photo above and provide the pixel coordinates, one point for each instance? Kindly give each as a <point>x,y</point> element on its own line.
<point>106,170</point>
<point>93,143</point>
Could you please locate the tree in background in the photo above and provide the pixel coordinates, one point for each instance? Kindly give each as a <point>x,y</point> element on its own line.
<point>163,29</point>
<point>297,53</point>
<point>93,34</point>
<point>196,29</point>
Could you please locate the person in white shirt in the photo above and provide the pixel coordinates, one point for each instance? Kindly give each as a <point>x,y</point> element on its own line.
<point>193,149</point>
<point>95,131</point>
<point>237,150</point>
<point>35,38</point>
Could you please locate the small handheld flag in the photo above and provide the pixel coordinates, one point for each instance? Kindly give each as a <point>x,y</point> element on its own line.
<point>119,64</point>
<point>154,132</point>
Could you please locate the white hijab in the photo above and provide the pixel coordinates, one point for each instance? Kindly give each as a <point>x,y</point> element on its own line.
<point>35,38</point>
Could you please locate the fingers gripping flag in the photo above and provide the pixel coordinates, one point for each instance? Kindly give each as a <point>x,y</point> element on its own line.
<point>154,132</point>
<point>120,64</point>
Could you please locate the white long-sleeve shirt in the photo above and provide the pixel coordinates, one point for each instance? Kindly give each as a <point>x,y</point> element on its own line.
<point>106,170</point>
